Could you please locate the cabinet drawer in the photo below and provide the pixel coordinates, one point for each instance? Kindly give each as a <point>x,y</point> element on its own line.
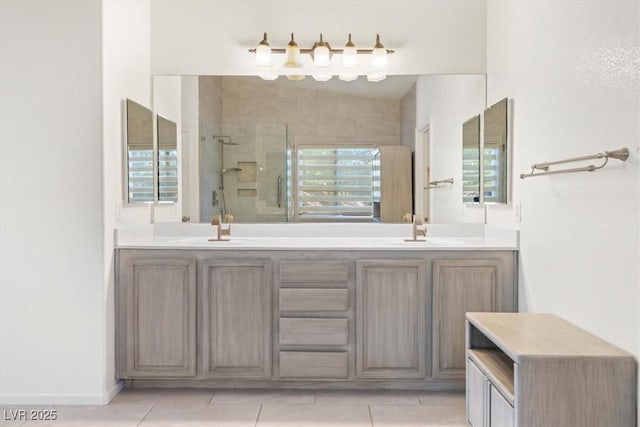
<point>314,271</point>
<point>314,299</point>
<point>314,331</point>
<point>301,364</point>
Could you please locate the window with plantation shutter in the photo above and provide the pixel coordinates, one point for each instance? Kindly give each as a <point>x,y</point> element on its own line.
<point>167,175</point>
<point>494,185</point>
<point>334,181</point>
<point>140,175</point>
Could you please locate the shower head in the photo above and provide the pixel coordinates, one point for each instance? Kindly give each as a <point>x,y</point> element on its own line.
<point>231,170</point>
<point>224,140</point>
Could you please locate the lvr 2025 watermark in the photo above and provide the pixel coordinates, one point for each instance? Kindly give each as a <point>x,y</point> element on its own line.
<point>30,414</point>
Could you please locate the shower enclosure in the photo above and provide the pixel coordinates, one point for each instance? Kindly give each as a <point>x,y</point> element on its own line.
<point>243,172</point>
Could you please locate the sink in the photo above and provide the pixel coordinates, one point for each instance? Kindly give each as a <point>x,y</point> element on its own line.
<point>430,241</point>
<point>204,241</point>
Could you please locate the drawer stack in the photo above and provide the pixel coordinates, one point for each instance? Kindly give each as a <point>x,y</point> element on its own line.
<point>314,324</point>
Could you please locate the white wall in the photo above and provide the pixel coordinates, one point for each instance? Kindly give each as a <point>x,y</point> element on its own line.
<point>443,103</point>
<point>67,67</point>
<point>211,37</point>
<point>52,313</point>
<point>125,74</point>
<point>575,84</point>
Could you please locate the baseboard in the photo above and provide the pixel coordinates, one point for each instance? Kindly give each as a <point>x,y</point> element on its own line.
<point>114,390</point>
<point>62,399</point>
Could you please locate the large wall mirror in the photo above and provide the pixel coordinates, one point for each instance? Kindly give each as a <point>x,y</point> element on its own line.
<point>139,182</point>
<point>495,154</point>
<point>287,151</point>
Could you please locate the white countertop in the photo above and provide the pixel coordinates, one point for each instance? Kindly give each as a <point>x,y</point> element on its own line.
<point>440,237</point>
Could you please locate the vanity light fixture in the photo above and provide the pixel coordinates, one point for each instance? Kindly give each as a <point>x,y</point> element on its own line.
<point>321,53</point>
<point>379,62</point>
<point>349,62</point>
<point>293,59</point>
<point>263,60</point>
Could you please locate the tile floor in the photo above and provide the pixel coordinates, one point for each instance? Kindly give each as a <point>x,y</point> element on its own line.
<point>260,408</point>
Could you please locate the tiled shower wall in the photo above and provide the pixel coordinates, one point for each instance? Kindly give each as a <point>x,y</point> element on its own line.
<point>261,115</point>
<point>313,116</point>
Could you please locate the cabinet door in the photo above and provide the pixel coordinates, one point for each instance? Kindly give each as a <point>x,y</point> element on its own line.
<point>501,412</point>
<point>477,387</point>
<point>459,286</point>
<point>236,318</point>
<point>157,318</point>
<point>395,182</point>
<point>391,306</point>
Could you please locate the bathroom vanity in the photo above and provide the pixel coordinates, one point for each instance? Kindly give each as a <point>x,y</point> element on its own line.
<point>304,312</point>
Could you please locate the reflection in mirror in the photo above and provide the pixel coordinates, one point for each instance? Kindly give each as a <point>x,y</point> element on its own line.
<point>261,142</point>
<point>139,142</point>
<point>244,173</point>
<point>246,135</point>
<point>167,160</point>
<point>494,185</point>
<point>471,160</point>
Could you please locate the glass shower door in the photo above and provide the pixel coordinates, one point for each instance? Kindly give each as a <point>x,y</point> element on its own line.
<point>271,147</point>
<point>244,172</point>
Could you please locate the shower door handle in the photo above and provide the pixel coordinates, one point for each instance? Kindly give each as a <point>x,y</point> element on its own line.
<point>279,190</point>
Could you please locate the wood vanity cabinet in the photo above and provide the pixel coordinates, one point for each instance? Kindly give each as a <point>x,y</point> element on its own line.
<point>461,285</point>
<point>167,321</point>
<point>369,318</point>
<point>391,310</point>
<point>315,323</point>
<point>235,302</point>
<point>156,316</point>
